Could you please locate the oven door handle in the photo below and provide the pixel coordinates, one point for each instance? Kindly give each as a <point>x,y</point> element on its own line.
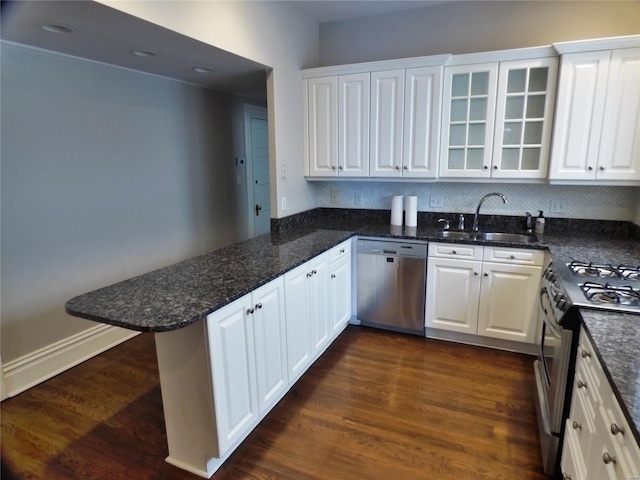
<point>549,316</point>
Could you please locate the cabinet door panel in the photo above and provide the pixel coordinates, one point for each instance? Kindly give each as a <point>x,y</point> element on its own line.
<point>322,118</point>
<point>298,320</point>
<point>270,339</point>
<point>319,303</point>
<point>387,98</point>
<point>507,301</point>
<point>353,121</point>
<point>231,341</point>
<point>340,291</point>
<point>619,156</point>
<point>578,120</point>
<point>453,288</point>
<point>421,122</point>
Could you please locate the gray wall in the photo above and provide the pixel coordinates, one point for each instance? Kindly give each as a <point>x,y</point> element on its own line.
<point>106,174</point>
<point>474,26</point>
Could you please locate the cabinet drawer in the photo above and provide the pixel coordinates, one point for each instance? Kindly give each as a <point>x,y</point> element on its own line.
<point>517,256</point>
<point>340,251</point>
<point>624,444</point>
<point>572,462</point>
<point>455,250</point>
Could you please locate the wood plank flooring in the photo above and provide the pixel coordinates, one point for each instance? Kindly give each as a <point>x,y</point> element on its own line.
<point>377,405</point>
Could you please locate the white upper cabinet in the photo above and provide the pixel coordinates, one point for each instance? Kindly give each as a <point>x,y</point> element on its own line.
<point>322,125</point>
<point>378,119</point>
<point>422,100</point>
<point>496,117</point>
<point>387,98</point>
<point>597,127</point>
<point>353,125</point>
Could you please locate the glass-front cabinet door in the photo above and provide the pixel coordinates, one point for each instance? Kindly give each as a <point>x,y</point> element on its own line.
<point>524,110</point>
<point>468,118</point>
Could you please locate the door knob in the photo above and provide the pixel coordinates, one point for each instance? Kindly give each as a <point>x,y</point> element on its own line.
<point>258,208</point>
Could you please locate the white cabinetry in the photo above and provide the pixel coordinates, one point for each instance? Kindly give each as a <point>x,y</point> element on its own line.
<point>598,443</point>
<point>496,119</point>
<point>340,287</point>
<point>495,290</point>
<point>307,313</point>
<point>597,127</point>
<point>378,119</point>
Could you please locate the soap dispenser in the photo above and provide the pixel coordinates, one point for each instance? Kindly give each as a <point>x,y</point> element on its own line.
<point>540,223</point>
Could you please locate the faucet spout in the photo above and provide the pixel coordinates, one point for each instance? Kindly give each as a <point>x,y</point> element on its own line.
<point>475,217</point>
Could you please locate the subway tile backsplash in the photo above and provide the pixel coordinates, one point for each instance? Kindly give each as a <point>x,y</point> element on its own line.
<point>590,202</point>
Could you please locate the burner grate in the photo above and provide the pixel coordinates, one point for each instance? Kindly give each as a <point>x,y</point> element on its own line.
<point>629,273</point>
<point>611,294</point>
<point>582,269</point>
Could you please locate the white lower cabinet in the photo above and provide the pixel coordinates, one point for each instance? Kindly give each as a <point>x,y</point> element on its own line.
<point>340,291</point>
<point>598,443</point>
<point>247,342</point>
<point>487,291</point>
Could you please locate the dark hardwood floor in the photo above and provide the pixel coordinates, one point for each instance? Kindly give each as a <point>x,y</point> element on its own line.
<point>377,405</point>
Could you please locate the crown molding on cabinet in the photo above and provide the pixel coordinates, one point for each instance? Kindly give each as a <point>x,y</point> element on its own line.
<point>591,45</point>
<point>432,60</point>
<point>502,55</point>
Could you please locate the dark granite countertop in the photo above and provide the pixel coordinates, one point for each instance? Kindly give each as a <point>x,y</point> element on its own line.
<point>616,337</point>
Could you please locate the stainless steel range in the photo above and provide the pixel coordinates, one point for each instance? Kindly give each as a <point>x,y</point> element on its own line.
<point>564,286</point>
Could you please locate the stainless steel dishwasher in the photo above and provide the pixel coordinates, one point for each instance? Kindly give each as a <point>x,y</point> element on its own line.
<point>391,278</point>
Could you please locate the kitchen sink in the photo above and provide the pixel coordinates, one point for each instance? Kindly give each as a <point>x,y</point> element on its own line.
<point>456,235</point>
<point>488,236</point>
<point>506,237</point>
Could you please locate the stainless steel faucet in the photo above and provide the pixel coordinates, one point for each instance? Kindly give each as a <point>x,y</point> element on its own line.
<point>475,217</point>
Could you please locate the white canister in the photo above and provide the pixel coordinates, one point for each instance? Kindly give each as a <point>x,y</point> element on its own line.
<point>411,211</point>
<point>396,210</point>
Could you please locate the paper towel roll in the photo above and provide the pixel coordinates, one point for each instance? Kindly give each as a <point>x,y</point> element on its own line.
<point>396,210</point>
<point>411,211</point>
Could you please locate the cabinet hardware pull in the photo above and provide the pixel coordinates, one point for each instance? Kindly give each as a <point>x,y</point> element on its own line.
<point>454,252</point>
<point>581,384</point>
<point>405,167</point>
<point>486,274</point>
<point>342,250</point>
<point>309,274</point>
<point>607,459</point>
<point>485,167</point>
<point>340,167</point>
<point>250,311</point>
<point>585,354</point>
<point>495,167</point>
<point>512,257</point>
<point>615,429</point>
<point>333,168</point>
<point>314,272</point>
<point>590,167</point>
<point>333,275</point>
<point>397,167</point>
<point>602,168</point>
<point>259,306</point>
<point>475,273</point>
<point>576,425</point>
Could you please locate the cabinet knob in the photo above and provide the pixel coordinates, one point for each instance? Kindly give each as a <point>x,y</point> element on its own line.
<point>397,167</point>
<point>590,167</point>
<point>607,459</point>
<point>309,274</point>
<point>585,354</point>
<point>342,250</point>
<point>333,275</point>
<point>405,167</point>
<point>615,429</point>
<point>602,167</point>
<point>476,273</point>
<point>486,167</point>
<point>250,311</point>
<point>340,167</point>
<point>485,274</point>
<point>576,425</point>
<point>495,167</point>
<point>454,252</point>
<point>581,384</point>
<point>258,306</point>
<point>313,272</point>
<point>512,257</point>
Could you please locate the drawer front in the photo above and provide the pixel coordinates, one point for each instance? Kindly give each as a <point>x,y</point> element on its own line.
<point>340,251</point>
<point>582,418</point>
<point>455,250</point>
<point>619,433</point>
<point>516,256</point>
<point>572,462</point>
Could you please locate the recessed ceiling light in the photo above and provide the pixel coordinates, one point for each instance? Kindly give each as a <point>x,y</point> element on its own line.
<point>144,53</point>
<point>57,28</point>
<point>203,69</point>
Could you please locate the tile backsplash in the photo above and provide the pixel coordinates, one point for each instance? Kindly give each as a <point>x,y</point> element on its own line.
<point>592,202</point>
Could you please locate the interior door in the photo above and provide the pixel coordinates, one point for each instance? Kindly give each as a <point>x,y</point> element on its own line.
<point>257,151</point>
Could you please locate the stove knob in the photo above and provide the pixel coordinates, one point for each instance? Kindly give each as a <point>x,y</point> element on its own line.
<point>557,297</point>
<point>562,305</point>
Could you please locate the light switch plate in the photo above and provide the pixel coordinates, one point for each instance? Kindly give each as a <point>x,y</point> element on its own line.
<point>283,202</point>
<point>558,206</point>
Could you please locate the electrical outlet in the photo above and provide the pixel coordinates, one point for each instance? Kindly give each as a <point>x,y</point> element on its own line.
<point>358,199</point>
<point>283,171</point>
<point>436,201</point>
<point>283,202</point>
<point>334,197</point>
<point>558,206</point>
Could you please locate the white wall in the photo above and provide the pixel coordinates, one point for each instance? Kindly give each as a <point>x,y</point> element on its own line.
<point>474,26</point>
<point>106,174</point>
<point>270,33</point>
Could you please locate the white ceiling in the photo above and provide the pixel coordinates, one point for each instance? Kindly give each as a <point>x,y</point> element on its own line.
<point>107,35</point>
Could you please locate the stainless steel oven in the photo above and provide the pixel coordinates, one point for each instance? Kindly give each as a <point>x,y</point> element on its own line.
<point>554,366</point>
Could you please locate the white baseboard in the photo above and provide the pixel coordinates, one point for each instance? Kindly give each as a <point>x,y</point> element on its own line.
<point>36,367</point>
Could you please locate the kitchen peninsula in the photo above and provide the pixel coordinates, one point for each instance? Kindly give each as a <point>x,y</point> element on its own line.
<point>178,303</point>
